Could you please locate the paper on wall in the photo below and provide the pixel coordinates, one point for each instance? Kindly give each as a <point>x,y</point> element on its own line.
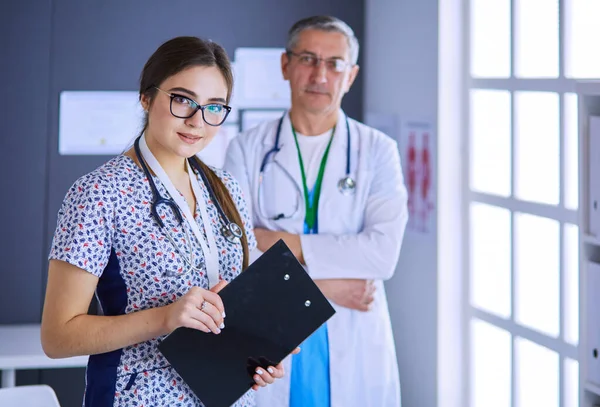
<point>98,122</point>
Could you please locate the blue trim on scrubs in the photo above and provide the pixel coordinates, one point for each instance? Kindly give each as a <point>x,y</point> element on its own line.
<point>101,374</point>
<point>310,385</point>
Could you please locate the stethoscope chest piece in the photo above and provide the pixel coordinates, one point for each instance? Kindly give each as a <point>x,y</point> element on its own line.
<point>232,232</point>
<point>347,186</point>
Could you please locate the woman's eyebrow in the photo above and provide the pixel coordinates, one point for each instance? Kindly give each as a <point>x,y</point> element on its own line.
<point>217,100</point>
<point>184,90</point>
<point>195,96</point>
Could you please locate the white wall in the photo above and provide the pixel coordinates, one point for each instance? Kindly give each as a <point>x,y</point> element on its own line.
<point>400,67</point>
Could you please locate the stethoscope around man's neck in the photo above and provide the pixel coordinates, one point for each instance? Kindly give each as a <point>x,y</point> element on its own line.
<point>346,185</point>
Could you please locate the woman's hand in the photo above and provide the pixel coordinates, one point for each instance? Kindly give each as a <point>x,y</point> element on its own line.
<point>198,309</point>
<point>263,377</point>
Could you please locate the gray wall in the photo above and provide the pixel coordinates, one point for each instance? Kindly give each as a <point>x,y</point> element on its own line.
<point>24,61</point>
<point>49,46</point>
<point>402,79</point>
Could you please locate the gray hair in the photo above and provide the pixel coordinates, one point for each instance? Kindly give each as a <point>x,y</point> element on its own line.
<point>328,24</point>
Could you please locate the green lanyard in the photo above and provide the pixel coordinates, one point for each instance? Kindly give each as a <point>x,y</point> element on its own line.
<point>312,207</point>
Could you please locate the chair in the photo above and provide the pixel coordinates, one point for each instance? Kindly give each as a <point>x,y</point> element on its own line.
<point>29,396</point>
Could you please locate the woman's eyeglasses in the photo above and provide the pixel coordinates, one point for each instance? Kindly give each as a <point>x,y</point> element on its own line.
<point>213,114</point>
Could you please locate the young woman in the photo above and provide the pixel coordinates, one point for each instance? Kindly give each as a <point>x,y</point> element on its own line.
<point>155,234</point>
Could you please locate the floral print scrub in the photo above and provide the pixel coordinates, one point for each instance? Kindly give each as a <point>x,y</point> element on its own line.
<point>105,228</point>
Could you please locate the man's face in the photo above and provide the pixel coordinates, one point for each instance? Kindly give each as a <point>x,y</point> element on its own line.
<point>319,71</point>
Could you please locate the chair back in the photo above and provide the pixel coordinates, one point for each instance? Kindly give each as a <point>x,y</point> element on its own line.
<point>29,396</point>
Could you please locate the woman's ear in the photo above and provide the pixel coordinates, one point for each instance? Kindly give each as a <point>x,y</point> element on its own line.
<point>145,102</point>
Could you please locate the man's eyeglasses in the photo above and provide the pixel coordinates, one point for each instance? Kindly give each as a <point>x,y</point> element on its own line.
<point>333,64</point>
<point>213,114</point>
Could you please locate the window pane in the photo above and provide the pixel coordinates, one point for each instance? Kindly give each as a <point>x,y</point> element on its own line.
<point>571,284</point>
<point>537,147</point>
<point>536,38</point>
<point>490,259</point>
<point>571,398</point>
<point>536,375</point>
<point>581,35</point>
<point>571,152</point>
<point>537,273</point>
<point>490,365</point>
<point>490,142</point>
<point>490,38</point>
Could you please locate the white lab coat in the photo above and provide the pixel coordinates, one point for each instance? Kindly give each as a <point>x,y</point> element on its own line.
<point>359,237</point>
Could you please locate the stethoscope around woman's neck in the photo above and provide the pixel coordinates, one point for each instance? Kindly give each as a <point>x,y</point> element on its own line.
<point>230,230</point>
<point>346,185</point>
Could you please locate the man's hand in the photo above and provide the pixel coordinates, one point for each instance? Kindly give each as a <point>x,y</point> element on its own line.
<point>267,238</point>
<point>350,293</point>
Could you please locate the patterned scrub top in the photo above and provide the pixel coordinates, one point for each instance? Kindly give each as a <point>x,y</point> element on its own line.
<point>105,228</point>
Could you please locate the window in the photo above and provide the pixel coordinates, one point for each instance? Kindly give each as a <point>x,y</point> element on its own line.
<point>523,58</point>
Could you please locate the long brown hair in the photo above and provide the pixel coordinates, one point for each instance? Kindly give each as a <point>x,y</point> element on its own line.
<point>226,201</point>
<point>173,57</point>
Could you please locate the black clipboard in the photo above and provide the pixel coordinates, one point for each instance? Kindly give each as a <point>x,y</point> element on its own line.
<point>272,307</point>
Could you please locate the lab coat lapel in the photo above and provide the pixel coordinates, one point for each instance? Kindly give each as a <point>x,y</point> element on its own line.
<point>335,168</point>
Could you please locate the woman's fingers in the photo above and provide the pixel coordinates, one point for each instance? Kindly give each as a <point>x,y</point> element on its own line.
<point>212,311</point>
<point>215,300</point>
<point>263,377</point>
<point>195,324</point>
<point>277,372</point>
<point>219,286</point>
<point>259,380</point>
<point>196,315</point>
<point>206,307</point>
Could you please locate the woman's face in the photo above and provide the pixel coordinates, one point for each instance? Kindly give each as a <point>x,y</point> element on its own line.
<point>168,135</point>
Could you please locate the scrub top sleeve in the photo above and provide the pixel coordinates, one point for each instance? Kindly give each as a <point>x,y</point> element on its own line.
<point>85,225</point>
<point>240,202</point>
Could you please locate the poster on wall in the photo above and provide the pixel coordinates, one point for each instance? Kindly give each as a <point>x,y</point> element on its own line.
<point>234,115</point>
<point>98,122</point>
<point>253,117</point>
<point>258,79</point>
<point>417,145</point>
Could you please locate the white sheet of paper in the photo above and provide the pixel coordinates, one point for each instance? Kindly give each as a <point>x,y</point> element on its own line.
<point>214,153</point>
<point>252,118</point>
<point>98,122</point>
<point>259,81</point>
<point>234,115</point>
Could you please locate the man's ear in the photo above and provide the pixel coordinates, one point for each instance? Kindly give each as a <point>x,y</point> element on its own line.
<point>285,61</point>
<point>351,77</point>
